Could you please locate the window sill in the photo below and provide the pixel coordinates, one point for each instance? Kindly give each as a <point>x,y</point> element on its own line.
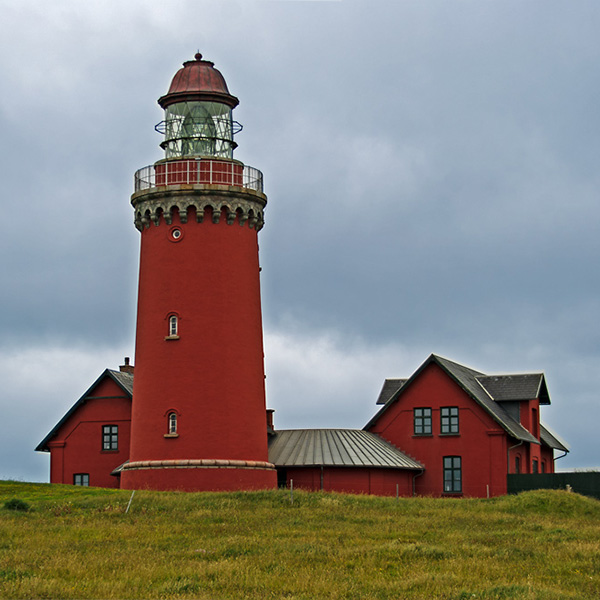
<point>171,435</point>
<point>171,337</point>
<point>108,451</point>
<point>449,434</point>
<point>425,435</point>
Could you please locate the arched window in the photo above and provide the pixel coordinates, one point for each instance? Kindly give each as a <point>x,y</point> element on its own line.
<point>172,423</point>
<point>173,325</point>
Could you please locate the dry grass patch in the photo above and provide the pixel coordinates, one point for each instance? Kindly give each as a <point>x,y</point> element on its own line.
<point>79,543</point>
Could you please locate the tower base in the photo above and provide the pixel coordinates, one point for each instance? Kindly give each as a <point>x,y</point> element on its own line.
<point>198,476</point>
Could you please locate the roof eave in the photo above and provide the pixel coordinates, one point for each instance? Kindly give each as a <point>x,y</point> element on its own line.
<point>43,445</point>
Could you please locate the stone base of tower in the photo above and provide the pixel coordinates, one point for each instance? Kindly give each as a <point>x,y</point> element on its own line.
<point>155,475</point>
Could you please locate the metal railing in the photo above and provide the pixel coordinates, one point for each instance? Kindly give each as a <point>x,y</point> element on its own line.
<point>198,171</point>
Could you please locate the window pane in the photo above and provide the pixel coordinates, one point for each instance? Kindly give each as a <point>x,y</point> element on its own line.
<point>110,437</point>
<point>452,474</point>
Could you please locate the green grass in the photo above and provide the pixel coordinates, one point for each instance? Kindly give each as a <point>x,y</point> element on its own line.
<point>78,542</point>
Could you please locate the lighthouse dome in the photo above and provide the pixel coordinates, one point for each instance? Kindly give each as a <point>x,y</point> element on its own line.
<point>198,80</point>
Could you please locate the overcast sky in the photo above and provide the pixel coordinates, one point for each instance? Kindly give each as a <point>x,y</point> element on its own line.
<point>433,184</point>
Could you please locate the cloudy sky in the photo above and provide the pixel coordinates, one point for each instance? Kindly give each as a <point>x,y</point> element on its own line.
<point>433,183</point>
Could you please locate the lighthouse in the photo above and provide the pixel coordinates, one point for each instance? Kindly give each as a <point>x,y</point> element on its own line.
<point>198,417</point>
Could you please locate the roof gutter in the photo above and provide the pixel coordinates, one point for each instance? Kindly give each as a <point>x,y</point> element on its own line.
<point>561,456</point>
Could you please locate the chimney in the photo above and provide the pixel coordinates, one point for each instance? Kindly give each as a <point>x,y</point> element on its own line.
<point>270,428</point>
<point>126,368</point>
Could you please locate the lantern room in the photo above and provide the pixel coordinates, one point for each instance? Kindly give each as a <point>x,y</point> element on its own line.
<point>198,131</point>
<point>198,107</point>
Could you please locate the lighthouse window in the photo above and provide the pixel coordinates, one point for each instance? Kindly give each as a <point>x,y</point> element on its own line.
<point>198,129</point>
<point>172,423</point>
<point>172,325</point>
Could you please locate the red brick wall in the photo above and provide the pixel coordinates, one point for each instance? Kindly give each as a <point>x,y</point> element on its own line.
<point>381,482</point>
<point>481,442</point>
<point>77,447</point>
<point>213,375</point>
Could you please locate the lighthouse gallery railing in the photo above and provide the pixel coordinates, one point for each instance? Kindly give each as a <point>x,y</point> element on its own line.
<point>198,171</point>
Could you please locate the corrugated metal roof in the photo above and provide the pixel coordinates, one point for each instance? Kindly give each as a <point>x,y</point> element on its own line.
<point>336,448</point>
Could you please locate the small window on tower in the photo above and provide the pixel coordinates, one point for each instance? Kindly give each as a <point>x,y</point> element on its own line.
<point>175,234</point>
<point>172,423</point>
<point>172,325</point>
<point>173,328</point>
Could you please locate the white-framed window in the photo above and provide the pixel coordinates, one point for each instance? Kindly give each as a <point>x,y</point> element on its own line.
<point>173,325</point>
<point>172,423</point>
<point>81,479</point>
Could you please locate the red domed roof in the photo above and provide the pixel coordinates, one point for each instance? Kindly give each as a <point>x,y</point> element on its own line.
<point>198,80</point>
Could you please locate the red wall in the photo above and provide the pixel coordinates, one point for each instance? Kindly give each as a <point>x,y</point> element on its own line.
<point>481,442</point>
<point>349,480</point>
<point>213,375</point>
<point>77,447</point>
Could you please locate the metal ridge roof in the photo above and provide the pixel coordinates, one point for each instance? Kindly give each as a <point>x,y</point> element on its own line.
<point>335,448</point>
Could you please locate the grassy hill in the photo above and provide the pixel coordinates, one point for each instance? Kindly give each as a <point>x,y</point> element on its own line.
<point>79,543</point>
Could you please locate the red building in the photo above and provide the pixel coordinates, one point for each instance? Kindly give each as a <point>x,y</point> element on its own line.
<point>193,417</point>
<point>446,430</point>
<point>468,429</point>
<point>92,439</point>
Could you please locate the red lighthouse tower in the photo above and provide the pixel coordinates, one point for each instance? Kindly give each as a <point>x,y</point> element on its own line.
<point>198,415</point>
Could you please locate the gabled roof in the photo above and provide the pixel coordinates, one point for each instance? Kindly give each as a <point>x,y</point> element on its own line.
<point>335,448</point>
<point>123,380</point>
<point>390,387</point>
<point>469,381</point>
<point>549,439</point>
<point>506,388</point>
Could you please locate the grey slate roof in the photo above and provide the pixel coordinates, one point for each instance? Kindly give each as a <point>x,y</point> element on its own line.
<point>123,380</point>
<point>390,387</point>
<point>503,388</point>
<point>335,448</point>
<point>472,382</point>
<point>549,439</point>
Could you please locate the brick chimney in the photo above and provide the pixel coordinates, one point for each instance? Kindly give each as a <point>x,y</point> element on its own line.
<point>126,368</point>
<point>270,428</point>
